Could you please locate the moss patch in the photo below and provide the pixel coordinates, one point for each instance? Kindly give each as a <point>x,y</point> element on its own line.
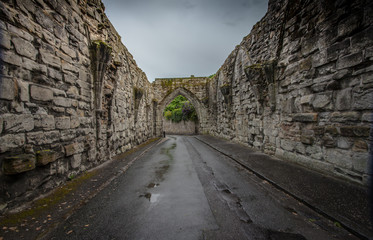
<point>47,203</point>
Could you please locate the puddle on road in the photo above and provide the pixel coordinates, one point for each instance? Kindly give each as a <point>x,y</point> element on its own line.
<point>153,198</point>
<point>153,185</point>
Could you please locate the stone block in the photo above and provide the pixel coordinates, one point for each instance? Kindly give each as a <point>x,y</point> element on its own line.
<point>42,138</point>
<point>1,124</point>
<point>350,60</point>
<point>55,74</point>
<point>314,151</point>
<point>76,161</point>
<point>322,101</point>
<point>328,141</point>
<point>24,48</point>
<point>43,157</point>
<point>307,99</point>
<point>343,99</point>
<point>5,40</point>
<point>11,57</point>
<point>23,88</point>
<point>68,50</point>
<point>74,122</point>
<point>62,102</point>
<point>309,45</point>
<point>15,123</point>
<point>74,148</point>
<point>19,32</point>
<point>354,131</point>
<point>307,139</point>
<point>344,116</point>
<point>287,145</point>
<point>360,161</point>
<point>70,78</point>
<point>44,121</point>
<point>73,92</point>
<point>49,58</point>
<point>8,88</point>
<point>363,101</point>
<point>360,146</point>
<point>335,50</point>
<point>341,74</point>
<point>333,130</point>
<point>41,93</point>
<point>62,122</point>
<point>367,117</point>
<point>343,143</point>
<point>34,66</point>
<point>44,20</point>
<point>305,117</point>
<point>11,141</point>
<point>18,164</point>
<point>318,130</point>
<point>339,157</point>
<point>69,67</point>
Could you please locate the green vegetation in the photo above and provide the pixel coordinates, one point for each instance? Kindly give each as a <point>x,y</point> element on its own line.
<point>212,75</point>
<point>99,43</point>
<point>180,109</point>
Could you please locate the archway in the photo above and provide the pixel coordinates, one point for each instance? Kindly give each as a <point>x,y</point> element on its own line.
<point>199,107</point>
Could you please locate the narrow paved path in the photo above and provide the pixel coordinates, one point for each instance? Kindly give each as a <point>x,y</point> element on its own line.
<point>185,190</point>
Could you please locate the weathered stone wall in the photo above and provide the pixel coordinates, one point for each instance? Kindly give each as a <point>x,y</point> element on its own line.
<point>300,86</point>
<point>180,128</point>
<point>193,88</point>
<point>71,95</point>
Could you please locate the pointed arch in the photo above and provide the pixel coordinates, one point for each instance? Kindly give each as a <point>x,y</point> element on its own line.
<point>198,105</point>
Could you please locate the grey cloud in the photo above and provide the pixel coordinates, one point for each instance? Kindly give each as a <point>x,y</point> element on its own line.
<point>171,38</point>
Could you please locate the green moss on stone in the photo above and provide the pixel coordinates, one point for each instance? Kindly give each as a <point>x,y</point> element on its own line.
<point>46,204</point>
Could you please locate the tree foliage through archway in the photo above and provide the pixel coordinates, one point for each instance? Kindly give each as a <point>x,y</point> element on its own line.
<point>180,109</point>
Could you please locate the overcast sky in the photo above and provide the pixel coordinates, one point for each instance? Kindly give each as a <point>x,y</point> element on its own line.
<point>179,38</point>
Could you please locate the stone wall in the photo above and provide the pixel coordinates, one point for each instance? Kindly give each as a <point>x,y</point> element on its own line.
<point>193,88</point>
<point>71,95</point>
<point>180,128</point>
<point>300,86</point>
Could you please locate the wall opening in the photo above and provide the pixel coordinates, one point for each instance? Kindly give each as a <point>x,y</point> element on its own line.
<point>180,117</point>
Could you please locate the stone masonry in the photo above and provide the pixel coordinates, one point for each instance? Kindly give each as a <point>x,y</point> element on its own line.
<point>193,88</point>
<point>299,87</point>
<point>69,95</point>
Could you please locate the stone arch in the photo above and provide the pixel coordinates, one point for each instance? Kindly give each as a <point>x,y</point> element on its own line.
<point>198,105</point>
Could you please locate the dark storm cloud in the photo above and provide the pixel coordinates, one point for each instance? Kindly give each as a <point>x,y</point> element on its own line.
<point>170,38</point>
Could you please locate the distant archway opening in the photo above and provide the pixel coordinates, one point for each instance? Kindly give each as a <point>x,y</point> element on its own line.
<point>180,117</point>
<point>193,100</point>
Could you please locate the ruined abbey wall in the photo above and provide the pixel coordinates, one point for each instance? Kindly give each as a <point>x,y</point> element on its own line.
<point>300,86</point>
<point>193,88</point>
<point>71,95</point>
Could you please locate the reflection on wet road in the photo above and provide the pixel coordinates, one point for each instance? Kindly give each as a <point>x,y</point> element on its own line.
<point>183,189</point>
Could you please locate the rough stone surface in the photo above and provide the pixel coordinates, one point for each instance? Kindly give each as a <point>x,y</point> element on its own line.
<point>44,157</point>
<point>7,88</point>
<point>297,86</point>
<point>41,93</point>
<point>304,79</point>
<point>18,164</point>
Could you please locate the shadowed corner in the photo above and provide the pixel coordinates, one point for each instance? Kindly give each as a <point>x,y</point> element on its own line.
<point>370,173</point>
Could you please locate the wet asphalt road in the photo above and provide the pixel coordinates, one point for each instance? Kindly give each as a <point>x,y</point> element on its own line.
<point>183,189</point>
